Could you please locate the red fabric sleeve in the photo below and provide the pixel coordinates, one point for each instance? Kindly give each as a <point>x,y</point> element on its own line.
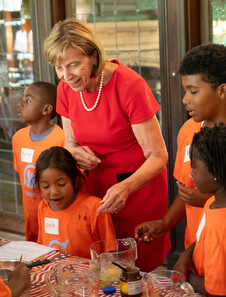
<point>62,104</point>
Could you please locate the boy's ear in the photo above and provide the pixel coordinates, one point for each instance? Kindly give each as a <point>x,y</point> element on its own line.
<point>47,109</point>
<point>222,90</point>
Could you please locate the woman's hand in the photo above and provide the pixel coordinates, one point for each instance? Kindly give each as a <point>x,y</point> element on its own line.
<point>192,196</point>
<point>84,157</point>
<point>150,230</point>
<point>149,137</point>
<point>115,198</point>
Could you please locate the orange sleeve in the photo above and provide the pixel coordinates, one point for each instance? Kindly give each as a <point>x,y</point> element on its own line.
<point>4,290</point>
<point>182,167</point>
<point>104,226</point>
<point>15,151</point>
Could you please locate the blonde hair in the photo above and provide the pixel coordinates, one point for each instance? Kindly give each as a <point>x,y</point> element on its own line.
<point>73,33</point>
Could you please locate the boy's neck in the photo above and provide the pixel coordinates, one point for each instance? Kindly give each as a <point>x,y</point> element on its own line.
<point>40,128</point>
<point>220,118</point>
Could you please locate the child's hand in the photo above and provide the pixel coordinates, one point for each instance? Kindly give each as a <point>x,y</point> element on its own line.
<point>148,231</point>
<point>19,280</point>
<point>192,196</point>
<point>185,264</point>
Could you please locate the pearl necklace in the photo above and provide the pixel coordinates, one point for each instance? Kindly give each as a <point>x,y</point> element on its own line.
<point>98,96</point>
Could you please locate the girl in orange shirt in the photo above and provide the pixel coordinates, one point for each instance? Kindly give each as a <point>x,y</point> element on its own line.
<point>203,262</point>
<point>67,216</point>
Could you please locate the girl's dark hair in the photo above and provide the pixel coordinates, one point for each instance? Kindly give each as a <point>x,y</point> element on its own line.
<point>210,147</point>
<point>59,158</point>
<point>208,60</point>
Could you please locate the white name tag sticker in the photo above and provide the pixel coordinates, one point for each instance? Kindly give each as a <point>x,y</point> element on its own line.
<point>52,226</point>
<point>186,155</point>
<point>27,155</point>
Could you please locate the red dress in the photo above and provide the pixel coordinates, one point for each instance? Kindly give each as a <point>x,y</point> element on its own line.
<point>126,99</point>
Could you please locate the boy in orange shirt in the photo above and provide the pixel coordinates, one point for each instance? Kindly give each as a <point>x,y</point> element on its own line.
<point>68,217</point>
<point>203,71</point>
<point>203,263</point>
<point>37,108</point>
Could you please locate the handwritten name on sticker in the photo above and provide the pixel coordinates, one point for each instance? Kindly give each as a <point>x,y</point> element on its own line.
<point>52,226</point>
<point>27,155</point>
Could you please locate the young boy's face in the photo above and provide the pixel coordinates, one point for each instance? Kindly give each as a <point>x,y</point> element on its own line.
<point>201,177</point>
<point>30,108</point>
<point>56,188</point>
<point>202,102</point>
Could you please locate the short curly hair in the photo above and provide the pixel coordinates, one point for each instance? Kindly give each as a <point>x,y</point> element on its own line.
<point>210,145</point>
<point>48,93</point>
<point>209,61</point>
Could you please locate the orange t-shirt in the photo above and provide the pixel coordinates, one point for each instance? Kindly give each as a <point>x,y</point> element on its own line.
<point>26,153</point>
<point>4,290</point>
<point>209,255</point>
<point>182,171</point>
<point>75,228</point>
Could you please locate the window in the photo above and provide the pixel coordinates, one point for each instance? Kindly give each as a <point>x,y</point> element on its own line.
<point>16,62</point>
<point>218,26</point>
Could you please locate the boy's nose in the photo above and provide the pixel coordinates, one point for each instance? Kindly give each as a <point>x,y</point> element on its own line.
<point>185,99</point>
<point>20,104</point>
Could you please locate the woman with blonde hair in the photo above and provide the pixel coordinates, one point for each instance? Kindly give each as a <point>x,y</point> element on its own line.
<point>108,115</point>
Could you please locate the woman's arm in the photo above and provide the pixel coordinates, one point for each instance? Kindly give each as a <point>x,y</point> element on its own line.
<point>149,136</point>
<point>70,141</point>
<point>84,156</point>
